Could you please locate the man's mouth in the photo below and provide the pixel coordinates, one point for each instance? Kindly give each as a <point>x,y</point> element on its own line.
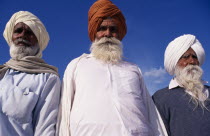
<point>22,42</point>
<point>108,42</point>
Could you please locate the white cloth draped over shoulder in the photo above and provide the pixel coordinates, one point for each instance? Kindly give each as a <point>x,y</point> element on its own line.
<point>178,47</point>
<point>35,25</point>
<point>101,99</point>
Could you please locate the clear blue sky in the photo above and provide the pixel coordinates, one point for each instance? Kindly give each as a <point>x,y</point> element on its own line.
<point>152,24</point>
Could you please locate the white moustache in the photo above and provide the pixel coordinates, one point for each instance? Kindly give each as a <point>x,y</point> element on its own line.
<point>111,41</point>
<point>22,40</point>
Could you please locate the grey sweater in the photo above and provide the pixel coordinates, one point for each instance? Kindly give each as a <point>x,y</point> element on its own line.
<point>179,114</point>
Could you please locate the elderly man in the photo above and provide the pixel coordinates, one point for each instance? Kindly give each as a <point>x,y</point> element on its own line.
<point>184,104</point>
<point>102,94</point>
<point>30,88</point>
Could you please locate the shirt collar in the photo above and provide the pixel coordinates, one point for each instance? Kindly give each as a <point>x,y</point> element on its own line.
<point>90,55</point>
<point>173,84</point>
<point>87,55</point>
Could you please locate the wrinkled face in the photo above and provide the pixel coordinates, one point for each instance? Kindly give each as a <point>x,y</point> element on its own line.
<point>108,28</point>
<point>188,58</point>
<point>23,35</point>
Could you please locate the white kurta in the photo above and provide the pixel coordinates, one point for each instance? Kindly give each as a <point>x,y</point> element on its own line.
<point>28,103</point>
<point>106,100</point>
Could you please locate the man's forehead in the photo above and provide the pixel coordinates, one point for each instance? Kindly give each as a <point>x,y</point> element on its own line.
<point>21,24</point>
<point>191,51</point>
<point>108,22</point>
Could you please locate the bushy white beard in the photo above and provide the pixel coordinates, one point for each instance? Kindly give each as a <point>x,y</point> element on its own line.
<point>109,50</point>
<point>190,78</point>
<point>18,52</point>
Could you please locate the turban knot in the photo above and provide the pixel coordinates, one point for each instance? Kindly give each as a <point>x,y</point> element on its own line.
<point>35,25</point>
<point>101,10</point>
<point>178,47</point>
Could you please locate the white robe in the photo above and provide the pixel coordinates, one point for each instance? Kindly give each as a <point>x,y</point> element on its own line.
<point>28,103</point>
<point>101,99</point>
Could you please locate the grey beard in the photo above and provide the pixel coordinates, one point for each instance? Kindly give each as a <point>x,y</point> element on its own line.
<point>18,52</point>
<point>109,50</point>
<point>190,78</point>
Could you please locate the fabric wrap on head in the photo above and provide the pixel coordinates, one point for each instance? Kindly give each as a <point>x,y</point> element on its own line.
<point>178,47</point>
<point>103,9</point>
<point>35,25</point>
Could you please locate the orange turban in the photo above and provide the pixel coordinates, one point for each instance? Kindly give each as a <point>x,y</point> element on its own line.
<point>101,10</point>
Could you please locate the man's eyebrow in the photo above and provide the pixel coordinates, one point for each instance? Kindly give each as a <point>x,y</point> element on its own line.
<point>190,54</point>
<point>108,25</point>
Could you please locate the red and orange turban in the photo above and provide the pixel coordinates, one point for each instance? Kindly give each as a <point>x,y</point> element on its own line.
<point>103,9</point>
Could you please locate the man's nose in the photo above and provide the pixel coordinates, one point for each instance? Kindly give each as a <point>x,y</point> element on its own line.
<point>192,61</point>
<point>107,33</point>
<point>22,34</point>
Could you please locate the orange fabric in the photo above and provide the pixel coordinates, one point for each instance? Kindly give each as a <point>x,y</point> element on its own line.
<point>100,10</point>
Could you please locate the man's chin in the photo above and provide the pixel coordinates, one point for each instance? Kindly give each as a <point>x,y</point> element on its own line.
<point>21,50</point>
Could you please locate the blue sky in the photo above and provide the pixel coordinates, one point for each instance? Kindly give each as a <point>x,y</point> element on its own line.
<point>152,24</point>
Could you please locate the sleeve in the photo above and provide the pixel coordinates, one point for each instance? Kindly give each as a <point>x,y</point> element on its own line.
<point>153,115</point>
<point>163,112</point>
<point>67,96</point>
<point>46,111</point>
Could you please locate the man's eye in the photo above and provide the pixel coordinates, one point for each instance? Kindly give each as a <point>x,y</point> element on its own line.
<point>19,30</point>
<point>113,29</point>
<point>194,56</point>
<point>29,32</point>
<point>185,56</point>
<point>102,28</point>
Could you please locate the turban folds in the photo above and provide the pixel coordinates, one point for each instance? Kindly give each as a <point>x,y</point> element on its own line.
<point>101,10</point>
<point>35,25</point>
<point>178,47</point>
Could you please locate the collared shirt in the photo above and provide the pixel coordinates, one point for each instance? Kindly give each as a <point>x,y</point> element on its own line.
<point>173,84</point>
<point>28,104</point>
<point>107,100</point>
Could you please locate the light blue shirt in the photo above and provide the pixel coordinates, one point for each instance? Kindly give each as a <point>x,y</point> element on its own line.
<point>28,104</point>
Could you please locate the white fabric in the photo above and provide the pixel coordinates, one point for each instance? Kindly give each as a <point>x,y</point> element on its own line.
<point>33,22</point>
<point>173,84</point>
<point>101,99</point>
<point>178,47</point>
<point>28,103</point>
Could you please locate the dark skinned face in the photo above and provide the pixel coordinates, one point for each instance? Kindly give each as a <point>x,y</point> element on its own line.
<point>188,58</point>
<point>23,35</point>
<point>108,29</point>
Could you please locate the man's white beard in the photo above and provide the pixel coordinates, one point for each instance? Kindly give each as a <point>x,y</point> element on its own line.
<point>109,50</point>
<point>190,78</point>
<point>18,52</point>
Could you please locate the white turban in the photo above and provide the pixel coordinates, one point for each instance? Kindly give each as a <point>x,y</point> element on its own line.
<point>35,25</point>
<point>178,47</point>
